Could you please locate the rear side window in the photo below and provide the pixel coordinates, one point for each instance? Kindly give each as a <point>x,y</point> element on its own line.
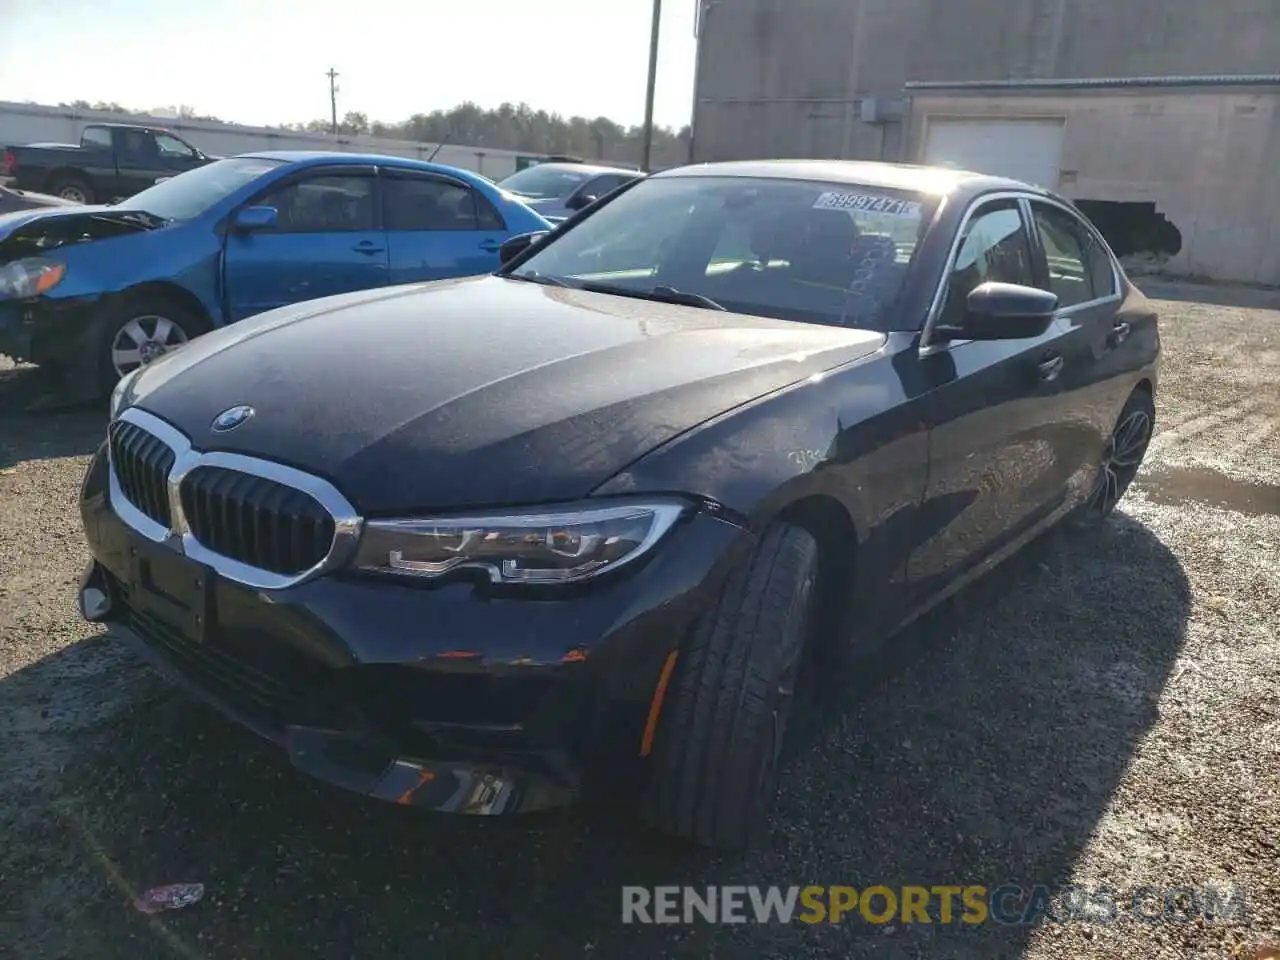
<point>423,203</point>
<point>996,248</point>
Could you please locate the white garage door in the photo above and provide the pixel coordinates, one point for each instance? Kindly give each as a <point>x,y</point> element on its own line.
<point>1029,150</point>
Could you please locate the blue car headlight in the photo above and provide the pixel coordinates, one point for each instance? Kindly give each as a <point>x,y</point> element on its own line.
<point>29,277</point>
<point>547,545</point>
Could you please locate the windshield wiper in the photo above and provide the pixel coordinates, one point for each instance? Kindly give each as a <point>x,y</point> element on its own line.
<point>662,293</point>
<point>534,277</point>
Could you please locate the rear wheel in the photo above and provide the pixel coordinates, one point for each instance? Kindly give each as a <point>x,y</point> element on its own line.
<point>715,759</point>
<point>73,188</point>
<point>1121,460</point>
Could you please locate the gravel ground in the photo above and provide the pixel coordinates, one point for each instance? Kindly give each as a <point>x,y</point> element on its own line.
<point>1103,711</point>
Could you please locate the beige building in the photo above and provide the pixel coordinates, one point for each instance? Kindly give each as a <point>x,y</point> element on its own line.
<point>1159,117</point>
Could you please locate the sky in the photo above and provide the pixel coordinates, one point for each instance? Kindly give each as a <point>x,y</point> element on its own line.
<point>264,61</point>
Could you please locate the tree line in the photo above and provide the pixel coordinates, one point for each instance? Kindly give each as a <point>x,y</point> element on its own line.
<point>508,126</point>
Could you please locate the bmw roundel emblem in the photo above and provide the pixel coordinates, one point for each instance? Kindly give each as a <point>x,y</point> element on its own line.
<point>231,418</point>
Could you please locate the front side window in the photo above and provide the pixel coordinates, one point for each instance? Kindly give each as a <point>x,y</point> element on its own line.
<point>192,193</point>
<point>172,146</point>
<point>1064,249</point>
<point>793,249</point>
<point>996,248</point>
<point>324,204</point>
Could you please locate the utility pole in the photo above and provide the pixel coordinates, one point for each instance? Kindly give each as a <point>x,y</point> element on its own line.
<point>653,79</point>
<point>333,99</point>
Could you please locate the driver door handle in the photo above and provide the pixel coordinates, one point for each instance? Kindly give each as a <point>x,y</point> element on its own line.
<point>1050,369</point>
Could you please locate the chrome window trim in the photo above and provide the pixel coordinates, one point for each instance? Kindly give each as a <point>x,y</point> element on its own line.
<point>1024,200</point>
<point>347,522</point>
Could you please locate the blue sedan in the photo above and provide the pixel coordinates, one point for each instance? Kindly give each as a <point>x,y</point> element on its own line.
<point>97,291</point>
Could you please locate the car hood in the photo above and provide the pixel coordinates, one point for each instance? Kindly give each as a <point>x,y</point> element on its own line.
<point>72,224</point>
<point>480,391</point>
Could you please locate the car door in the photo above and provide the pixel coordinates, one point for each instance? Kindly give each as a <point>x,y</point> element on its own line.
<point>438,228</point>
<point>138,162</point>
<point>328,240</point>
<point>993,409</point>
<point>176,156</point>
<point>1078,267</point>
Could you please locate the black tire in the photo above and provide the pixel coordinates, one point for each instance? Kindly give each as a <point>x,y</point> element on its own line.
<point>71,187</point>
<point>1120,462</point>
<point>716,751</point>
<point>143,310</point>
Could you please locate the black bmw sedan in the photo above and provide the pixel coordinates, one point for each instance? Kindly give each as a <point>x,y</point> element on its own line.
<point>464,545</point>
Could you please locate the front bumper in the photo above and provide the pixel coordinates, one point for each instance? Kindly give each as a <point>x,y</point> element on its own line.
<point>45,331</point>
<point>454,698</point>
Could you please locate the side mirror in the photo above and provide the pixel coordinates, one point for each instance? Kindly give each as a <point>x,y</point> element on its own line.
<point>580,200</point>
<point>1004,311</point>
<point>250,219</point>
<point>512,247</point>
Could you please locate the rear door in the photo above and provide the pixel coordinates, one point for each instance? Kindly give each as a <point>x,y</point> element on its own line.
<point>1078,267</point>
<point>328,241</point>
<point>993,409</point>
<point>437,228</point>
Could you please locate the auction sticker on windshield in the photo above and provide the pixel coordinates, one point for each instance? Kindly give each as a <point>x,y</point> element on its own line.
<point>834,200</point>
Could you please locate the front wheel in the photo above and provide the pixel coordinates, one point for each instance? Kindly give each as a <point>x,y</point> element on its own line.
<point>1121,460</point>
<point>716,754</point>
<point>140,331</point>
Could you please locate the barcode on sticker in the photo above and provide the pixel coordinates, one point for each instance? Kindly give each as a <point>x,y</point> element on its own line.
<point>833,200</point>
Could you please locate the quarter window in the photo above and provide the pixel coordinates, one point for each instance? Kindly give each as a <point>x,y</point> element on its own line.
<point>1102,274</point>
<point>96,137</point>
<point>1064,249</point>
<point>324,204</point>
<point>996,249</point>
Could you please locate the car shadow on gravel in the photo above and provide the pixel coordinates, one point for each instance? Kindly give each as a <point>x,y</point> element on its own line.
<point>984,748</point>
<point>63,430</point>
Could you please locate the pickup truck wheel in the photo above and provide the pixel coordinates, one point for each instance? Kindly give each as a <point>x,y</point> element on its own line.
<point>715,758</point>
<point>72,188</point>
<point>137,332</point>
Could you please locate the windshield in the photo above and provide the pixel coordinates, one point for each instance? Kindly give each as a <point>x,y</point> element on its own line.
<point>791,249</point>
<point>192,193</point>
<point>544,182</point>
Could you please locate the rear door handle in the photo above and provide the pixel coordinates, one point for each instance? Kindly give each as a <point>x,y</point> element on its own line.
<point>1119,333</point>
<point>1051,368</point>
<point>367,246</point>
<point>490,246</point>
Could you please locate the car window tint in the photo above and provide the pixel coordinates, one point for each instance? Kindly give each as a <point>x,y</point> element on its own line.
<point>324,204</point>
<point>602,185</point>
<point>96,137</point>
<point>996,249</point>
<point>138,143</point>
<point>421,203</point>
<point>1102,274</point>
<point>1064,250</point>
<point>487,217</point>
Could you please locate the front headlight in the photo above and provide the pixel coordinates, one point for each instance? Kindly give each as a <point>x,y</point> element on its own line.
<point>28,278</point>
<point>122,395</point>
<point>552,545</point>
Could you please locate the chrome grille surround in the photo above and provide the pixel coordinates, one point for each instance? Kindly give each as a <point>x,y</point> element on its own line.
<point>177,534</point>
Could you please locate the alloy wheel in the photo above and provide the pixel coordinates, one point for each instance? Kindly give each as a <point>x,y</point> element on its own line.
<point>1120,462</point>
<point>73,193</point>
<point>143,340</point>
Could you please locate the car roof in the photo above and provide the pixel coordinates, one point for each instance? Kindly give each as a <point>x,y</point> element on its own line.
<point>590,168</point>
<point>891,176</point>
<point>326,157</point>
